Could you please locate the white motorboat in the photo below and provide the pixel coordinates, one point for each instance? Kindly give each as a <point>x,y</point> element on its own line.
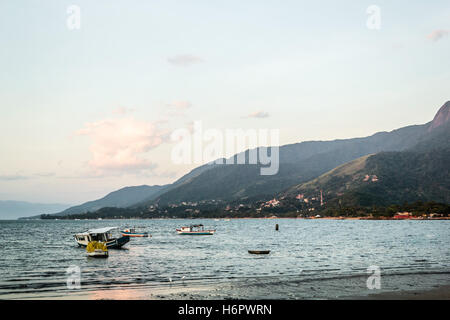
<point>102,235</point>
<point>196,230</point>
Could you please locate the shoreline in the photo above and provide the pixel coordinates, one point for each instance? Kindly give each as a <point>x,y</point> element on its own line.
<point>248,218</point>
<point>438,293</point>
<point>441,292</point>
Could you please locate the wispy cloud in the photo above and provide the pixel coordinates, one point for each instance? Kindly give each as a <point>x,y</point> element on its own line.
<point>12,177</point>
<point>436,35</point>
<point>119,145</point>
<point>184,60</point>
<point>258,115</point>
<point>22,176</point>
<point>45,174</point>
<point>152,171</point>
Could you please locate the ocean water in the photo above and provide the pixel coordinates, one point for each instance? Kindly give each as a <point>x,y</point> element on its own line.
<point>35,256</point>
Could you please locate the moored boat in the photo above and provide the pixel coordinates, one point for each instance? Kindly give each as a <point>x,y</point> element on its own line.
<point>133,232</point>
<point>102,235</point>
<point>259,251</point>
<point>197,229</point>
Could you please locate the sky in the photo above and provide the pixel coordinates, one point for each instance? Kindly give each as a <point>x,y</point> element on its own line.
<point>90,91</point>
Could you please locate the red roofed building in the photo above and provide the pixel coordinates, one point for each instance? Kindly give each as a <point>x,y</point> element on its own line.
<point>403,215</point>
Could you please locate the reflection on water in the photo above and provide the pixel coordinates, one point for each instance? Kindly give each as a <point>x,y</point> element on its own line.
<point>36,254</point>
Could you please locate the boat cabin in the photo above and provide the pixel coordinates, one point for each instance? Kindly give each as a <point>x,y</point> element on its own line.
<point>195,227</point>
<point>100,235</point>
<point>134,232</point>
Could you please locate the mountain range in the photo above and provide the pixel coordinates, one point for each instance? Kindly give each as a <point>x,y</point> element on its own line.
<point>399,158</point>
<point>10,209</point>
<point>299,163</point>
<point>420,173</point>
<point>383,179</point>
<point>121,198</point>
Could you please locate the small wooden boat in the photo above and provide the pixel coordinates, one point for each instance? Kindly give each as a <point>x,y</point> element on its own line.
<point>132,232</point>
<point>195,230</point>
<point>97,249</point>
<point>101,235</point>
<point>259,251</point>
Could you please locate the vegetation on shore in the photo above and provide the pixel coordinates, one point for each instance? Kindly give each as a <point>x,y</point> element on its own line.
<point>417,209</point>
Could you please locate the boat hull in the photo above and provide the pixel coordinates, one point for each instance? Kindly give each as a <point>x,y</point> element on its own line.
<point>196,233</point>
<point>98,254</point>
<point>135,235</point>
<point>259,251</point>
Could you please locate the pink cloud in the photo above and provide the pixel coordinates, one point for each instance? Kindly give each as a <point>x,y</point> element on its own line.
<point>436,35</point>
<point>119,145</point>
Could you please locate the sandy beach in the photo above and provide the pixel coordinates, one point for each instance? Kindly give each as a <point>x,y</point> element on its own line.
<point>439,293</point>
<point>422,287</point>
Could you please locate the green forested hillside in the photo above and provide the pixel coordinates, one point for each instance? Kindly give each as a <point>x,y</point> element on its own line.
<point>420,173</point>
<point>385,178</point>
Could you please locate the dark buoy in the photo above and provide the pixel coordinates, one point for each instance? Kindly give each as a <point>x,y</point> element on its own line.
<point>259,251</point>
<point>276,227</point>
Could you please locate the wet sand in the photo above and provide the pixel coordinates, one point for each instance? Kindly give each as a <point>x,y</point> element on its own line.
<point>440,293</point>
<point>394,287</point>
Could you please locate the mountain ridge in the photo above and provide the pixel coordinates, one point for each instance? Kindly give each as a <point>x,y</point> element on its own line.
<point>420,173</point>
<point>13,209</point>
<point>442,117</point>
<point>299,163</point>
<point>121,198</point>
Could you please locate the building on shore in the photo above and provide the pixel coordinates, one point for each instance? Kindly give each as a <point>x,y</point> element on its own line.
<point>403,215</point>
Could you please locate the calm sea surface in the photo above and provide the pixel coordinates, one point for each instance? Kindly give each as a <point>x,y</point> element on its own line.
<point>36,254</point>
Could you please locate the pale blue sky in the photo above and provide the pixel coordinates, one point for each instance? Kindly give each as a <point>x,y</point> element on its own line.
<point>313,66</point>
